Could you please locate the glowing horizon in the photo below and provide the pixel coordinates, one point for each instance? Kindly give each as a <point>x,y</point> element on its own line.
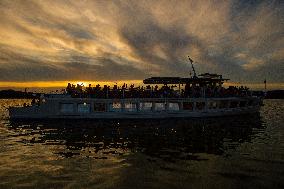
<point>63,84</point>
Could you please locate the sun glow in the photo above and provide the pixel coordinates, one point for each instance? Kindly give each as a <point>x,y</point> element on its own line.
<point>82,83</point>
<point>63,84</point>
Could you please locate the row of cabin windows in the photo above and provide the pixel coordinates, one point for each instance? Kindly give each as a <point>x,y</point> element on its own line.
<point>116,107</point>
<point>69,108</point>
<point>144,106</point>
<point>148,106</point>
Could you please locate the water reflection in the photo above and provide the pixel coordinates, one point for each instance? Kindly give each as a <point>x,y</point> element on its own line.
<point>170,139</point>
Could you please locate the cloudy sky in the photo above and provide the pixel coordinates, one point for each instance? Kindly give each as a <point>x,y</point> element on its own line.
<point>56,40</point>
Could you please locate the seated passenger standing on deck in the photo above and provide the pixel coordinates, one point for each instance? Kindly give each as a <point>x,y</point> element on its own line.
<point>69,88</point>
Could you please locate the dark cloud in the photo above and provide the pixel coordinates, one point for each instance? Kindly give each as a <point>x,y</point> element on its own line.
<point>77,68</point>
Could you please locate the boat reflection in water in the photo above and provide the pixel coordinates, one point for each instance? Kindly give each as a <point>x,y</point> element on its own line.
<point>166,139</point>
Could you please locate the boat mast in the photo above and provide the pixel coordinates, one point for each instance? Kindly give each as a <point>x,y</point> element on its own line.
<point>191,62</point>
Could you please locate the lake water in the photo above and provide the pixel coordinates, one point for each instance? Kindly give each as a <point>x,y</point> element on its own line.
<point>232,152</point>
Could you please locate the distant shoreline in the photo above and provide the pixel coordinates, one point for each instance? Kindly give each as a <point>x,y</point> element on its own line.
<point>14,94</point>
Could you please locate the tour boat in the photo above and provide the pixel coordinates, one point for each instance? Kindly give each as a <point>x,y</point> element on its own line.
<point>125,103</point>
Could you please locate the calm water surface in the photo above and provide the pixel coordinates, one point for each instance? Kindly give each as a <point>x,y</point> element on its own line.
<point>235,152</point>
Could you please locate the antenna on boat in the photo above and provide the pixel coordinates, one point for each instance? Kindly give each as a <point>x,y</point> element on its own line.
<point>191,62</point>
<point>265,91</point>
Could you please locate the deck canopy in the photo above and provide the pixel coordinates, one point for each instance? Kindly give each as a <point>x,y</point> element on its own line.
<point>202,79</point>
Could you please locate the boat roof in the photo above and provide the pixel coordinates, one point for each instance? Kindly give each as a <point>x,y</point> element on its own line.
<point>205,78</point>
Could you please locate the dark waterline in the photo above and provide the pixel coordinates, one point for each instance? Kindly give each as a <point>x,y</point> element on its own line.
<point>230,152</point>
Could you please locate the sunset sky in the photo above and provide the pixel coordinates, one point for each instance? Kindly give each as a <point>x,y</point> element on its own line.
<point>80,40</point>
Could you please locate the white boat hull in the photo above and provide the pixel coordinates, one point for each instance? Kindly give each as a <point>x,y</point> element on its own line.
<point>51,110</point>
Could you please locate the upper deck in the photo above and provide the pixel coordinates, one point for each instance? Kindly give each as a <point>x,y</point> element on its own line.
<point>207,85</point>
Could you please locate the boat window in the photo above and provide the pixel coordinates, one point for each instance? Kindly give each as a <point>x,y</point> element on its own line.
<point>250,102</point>
<point>145,106</point>
<point>212,105</point>
<point>234,104</point>
<point>255,102</point>
<point>242,103</point>
<point>66,107</point>
<point>173,106</point>
<point>223,104</point>
<point>83,107</point>
<point>115,107</point>
<point>188,106</point>
<point>130,107</point>
<point>99,107</point>
<point>160,106</point>
<point>200,105</point>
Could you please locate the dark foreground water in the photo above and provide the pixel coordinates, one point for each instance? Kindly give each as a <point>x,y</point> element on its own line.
<point>232,152</point>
